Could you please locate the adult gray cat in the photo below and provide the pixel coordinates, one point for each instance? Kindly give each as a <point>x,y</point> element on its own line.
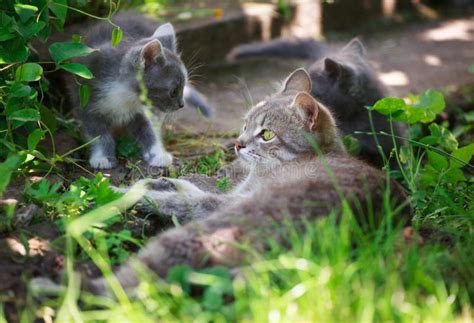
<point>115,101</point>
<point>344,81</point>
<point>286,180</point>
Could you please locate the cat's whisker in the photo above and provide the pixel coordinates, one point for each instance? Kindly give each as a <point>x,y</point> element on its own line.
<point>247,95</point>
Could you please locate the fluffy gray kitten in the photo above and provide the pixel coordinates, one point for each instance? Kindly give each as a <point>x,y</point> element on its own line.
<point>344,81</point>
<point>116,100</point>
<point>286,181</point>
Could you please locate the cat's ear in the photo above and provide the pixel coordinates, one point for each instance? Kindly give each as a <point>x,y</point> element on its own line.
<point>166,34</point>
<point>152,53</point>
<point>355,47</point>
<point>299,81</point>
<point>308,108</point>
<point>333,68</point>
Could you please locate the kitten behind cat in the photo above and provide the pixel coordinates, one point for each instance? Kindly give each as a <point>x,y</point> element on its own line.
<point>116,102</point>
<point>344,81</point>
<point>286,180</point>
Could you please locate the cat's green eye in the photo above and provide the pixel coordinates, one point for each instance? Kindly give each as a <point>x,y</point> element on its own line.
<point>268,134</point>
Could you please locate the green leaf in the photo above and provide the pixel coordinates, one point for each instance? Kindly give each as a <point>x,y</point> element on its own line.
<point>404,154</point>
<point>44,33</point>
<point>454,175</point>
<point>48,118</point>
<point>352,145</point>
<point>116,36</point>
<point>213,298</point>
<point>78,69</point>
<point>31,28</point>
<point>57,24</point>
<point>415,131</point>
<point>29,72</point>
<point>5,35</point>
<point>5,20</point>
<point>179,275</point>
<point>421,108</point>
<point>428,177</point>
<point>34,138</point>
<point>77,38</point>
<point>464,154</point>
<point>442,136</point>
<point>431,100</point>
<point>84,94</point>
<point>59,8</point>
<point>19,90</point>
<point>6,169</point>
<point>13,51</point>
<point>67,50</point>
<point>25,115</point>
<point>437,161</point>
<point>389,106</point>
<point>25,11</point>
<point>425,107</point>
<point>43,190</point>
<point>127,147</point>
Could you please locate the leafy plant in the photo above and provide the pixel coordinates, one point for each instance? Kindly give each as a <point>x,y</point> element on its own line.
<point>433,166</point>
<point>25,119</point>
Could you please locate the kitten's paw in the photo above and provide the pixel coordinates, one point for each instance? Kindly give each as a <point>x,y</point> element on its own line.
<point>99,161</point>
<point>157,156</point>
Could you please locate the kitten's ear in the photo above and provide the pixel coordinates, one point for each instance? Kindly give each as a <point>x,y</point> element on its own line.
<point>308,108</point>
<point>152,52</point>
<point>355,46</point>
<point>166,34</point>
<point>299,81</point>
<point>333,68</point>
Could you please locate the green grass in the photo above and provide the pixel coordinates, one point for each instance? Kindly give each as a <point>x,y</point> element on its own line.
<point>335,272</point>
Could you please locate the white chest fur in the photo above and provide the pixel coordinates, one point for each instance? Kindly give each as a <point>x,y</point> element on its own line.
<point>119,104</point>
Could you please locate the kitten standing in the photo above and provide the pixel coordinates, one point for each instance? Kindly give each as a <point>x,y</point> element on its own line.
<point>116,102</point>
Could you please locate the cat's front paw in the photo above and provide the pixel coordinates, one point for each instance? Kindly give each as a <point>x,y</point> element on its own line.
<point>102,162</point>
<point>158,157</point>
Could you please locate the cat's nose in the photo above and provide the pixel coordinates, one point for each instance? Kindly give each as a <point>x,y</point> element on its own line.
<point>238,146</point>
<point>181,103</point>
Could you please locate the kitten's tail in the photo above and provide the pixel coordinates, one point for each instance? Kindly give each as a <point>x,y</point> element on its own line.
<point>197,100</point>
<point>304,48</point>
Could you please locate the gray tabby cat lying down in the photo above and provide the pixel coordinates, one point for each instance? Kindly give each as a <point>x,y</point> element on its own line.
<point>286,180</point>
<point>344,81</point>
<point>116,101</point>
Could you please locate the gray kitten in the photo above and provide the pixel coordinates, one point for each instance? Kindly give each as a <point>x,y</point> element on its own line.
<point>344,81</point>
<point>116,102</point>
<point>286,180</point>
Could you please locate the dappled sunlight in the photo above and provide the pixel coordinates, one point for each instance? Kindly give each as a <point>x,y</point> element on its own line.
<point>452,30</point>
<point>432,60</point>
<point>394,78</point>
<point>263,12</point>
<point>36,247</point>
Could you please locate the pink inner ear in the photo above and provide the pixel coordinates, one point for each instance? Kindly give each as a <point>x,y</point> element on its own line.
<point>151,52</point>
<point>309,107</point>
<point>312,116</point>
